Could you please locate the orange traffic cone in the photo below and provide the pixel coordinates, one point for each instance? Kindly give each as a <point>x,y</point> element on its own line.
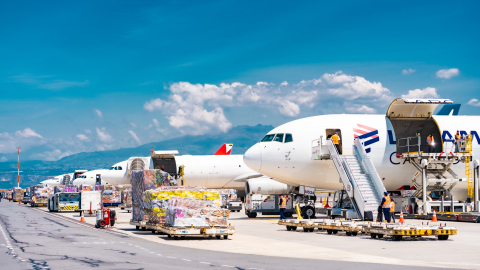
<point>434,218</point>
<point>326,204</point>
<point>19,202</point>
<point>321,200</point>
<point>82,218</point>
<point>401,218</point>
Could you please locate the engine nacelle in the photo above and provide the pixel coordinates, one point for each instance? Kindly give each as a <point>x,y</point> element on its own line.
<point>266,186</point>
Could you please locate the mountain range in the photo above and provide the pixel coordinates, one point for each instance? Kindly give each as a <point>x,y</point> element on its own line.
<point>34,171</point>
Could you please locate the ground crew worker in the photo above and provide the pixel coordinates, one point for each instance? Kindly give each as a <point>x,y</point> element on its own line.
<point>392,211</point>
<point>336,142</point>
<point>431,143</point>
<point>386,201</point>
<point>282,205</point>
<point>34,200</point>
<point>458,137</point>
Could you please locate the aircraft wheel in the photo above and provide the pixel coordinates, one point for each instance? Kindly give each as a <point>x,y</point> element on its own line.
<point>308,212</point>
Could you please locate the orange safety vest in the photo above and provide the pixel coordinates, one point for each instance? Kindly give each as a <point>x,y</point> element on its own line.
<point>336,139</point>
<point>284,203</point>
<point>392,206</point>
<point>431,140</point>
<point>33,199</point>
<point>387,202</point>
<point>457,137</point>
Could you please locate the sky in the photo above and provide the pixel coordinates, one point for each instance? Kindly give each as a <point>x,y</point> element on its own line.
<point>93,76</point>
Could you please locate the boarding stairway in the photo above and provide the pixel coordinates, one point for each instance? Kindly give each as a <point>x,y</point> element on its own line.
<point>360,179</point>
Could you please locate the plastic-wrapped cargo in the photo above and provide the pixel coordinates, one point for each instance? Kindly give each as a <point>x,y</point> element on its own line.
<point>70,188</point>
<point>142,180</point>
<point>226,195</point>
<point>184,212</point>
<point>86,187</point>
<point>111,197</point>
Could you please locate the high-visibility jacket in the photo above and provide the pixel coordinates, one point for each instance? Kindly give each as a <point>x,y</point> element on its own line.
<point>335,139</point>
<point>34,199</point>
<point>387,202</point>
<point>457,137</point>
<point>392,206</point>
<point>283,203</point>
<point>430,140</point>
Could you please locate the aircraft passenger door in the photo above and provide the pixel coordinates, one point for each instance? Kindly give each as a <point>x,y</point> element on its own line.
<point>330,132</point>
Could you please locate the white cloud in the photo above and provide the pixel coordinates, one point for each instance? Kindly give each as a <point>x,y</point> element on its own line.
<point>61,84</point>
<point>360,109</point>
<point>133,125</point>
<point>99,113</point>
<point>428,92</point>
<point>474,102</point>
<point>134,136</point>
<point>197,108</point>
<point>408,71</point>
<point>82,137</point>
<point>27,133</point>
<point>26,139</point>
<point>51,155</point>
<point>103,135</point>
<point>88,131</point>
<point>448,73</point>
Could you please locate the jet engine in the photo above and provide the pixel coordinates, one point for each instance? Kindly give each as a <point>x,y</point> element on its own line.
<point>267,186</point>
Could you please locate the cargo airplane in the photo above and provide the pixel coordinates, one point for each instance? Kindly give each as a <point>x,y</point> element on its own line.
<point>285,153</point>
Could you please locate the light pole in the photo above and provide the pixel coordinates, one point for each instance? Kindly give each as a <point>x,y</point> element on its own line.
<point>18,171</point>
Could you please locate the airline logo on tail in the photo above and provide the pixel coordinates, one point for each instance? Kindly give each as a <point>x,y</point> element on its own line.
<point>225,149</point>
<point>369,134</point>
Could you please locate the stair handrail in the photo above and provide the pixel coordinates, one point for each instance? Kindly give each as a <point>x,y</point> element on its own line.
<point>356,191</point>
<point>369,167</point>
<point>346,174</point>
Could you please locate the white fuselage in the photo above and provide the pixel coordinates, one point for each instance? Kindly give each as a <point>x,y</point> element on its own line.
<point>291,163</point>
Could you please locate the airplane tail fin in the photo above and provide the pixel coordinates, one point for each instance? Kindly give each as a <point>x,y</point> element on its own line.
<point>225,149</point>
<point>449,109</point>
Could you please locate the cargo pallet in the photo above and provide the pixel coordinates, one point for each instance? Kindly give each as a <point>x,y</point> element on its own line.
<point>375,229</point>
<point>139,224</point>
<point>181,231</point>
<point>448,216</point>
<point>398,231</point>
<point>111,204</point>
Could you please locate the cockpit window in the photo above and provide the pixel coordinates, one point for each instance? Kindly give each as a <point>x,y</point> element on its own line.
<point>112,168</point>
<point>268,138</point>
<point>278,138</point>
<point>119,168</point>
<point>288,138</point>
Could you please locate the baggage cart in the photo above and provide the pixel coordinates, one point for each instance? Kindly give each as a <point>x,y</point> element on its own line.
<point>196,231</point>
<point>398,231</point>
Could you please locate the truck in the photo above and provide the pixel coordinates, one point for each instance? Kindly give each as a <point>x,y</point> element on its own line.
<point>90,200</point>
<point>267,205</point>
<point>26,196</point>
<point>41,195</point>
<point>17,194</point>
<point>64,201</point>
<point>234,205</point>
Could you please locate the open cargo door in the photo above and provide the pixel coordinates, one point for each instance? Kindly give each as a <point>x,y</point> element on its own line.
<point>410,117</point>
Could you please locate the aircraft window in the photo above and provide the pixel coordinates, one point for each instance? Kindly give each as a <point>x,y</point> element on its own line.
<point>288,138</point>
<point>278,138</point>
<point>119,168</point>
<point>112,168</point>
<point>268,138</point>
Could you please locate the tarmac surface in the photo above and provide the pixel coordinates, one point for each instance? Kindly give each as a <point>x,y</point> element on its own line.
<point>33,238</point>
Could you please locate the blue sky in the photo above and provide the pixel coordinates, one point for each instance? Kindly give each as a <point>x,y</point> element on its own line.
<point>88,76</point>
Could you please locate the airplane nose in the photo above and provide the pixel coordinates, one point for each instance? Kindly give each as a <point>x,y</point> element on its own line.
<point>253,158</point>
